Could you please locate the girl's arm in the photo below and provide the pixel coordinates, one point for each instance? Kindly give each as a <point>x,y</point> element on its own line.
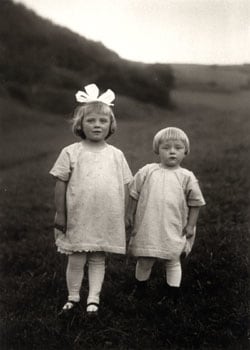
<point>193,215</point>
<point>60,204</point>
<point>126,191</point>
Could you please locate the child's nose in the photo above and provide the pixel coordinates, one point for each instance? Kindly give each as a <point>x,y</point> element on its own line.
<point>97,123</point>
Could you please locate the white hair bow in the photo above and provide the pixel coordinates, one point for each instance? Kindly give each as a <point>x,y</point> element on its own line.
<point>92,93</point>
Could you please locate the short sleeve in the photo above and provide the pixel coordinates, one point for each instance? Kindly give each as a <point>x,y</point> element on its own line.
<point>61,169</point>
<point>127,175</point>
<point>137,183</point>
<point>194,194</point>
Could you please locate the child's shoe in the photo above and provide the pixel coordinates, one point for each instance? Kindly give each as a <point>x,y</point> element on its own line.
<point>69,307</point>
<point>140,289</point>
<point>92,309</point>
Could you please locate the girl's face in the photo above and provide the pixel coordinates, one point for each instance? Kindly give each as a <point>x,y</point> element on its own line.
<point>171,153</point>
<point>96,126</point>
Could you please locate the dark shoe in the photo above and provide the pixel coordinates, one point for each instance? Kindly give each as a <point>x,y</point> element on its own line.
<point>92,312</point>
<point>69,307</point>
<point>140,289</point>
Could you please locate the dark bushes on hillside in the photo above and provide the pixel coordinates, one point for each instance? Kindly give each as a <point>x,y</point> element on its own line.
<point>36,55</point>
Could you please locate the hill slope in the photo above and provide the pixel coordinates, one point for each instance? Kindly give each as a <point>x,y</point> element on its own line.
<point>211,77</point>
<point>42,64</point>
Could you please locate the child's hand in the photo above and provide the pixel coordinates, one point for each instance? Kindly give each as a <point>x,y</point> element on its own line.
<point>60,223</point>
<point>189,231</point>
<point>129,221</point>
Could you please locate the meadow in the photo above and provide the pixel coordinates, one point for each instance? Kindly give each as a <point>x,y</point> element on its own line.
<point>213,310</point>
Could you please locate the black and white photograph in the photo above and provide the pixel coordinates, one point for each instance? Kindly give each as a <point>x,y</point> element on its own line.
<point>125,186</point>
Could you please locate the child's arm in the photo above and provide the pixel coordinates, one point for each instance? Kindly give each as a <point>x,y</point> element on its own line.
<point>193,215</point>
<point>131,209</point>
<point>126,191</point>
<point>60,203</point>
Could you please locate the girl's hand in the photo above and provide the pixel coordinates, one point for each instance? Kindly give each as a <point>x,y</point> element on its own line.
<point>129,221</point>
<point>189,231</point>
<point>60,222</point>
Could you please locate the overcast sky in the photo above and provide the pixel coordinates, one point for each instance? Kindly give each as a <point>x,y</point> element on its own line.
<point>167,31</point>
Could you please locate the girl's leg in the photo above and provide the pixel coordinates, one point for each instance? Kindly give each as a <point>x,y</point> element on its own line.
<point>144,268</point>
<point>173,273</point>
<point>74,275</point>
<point>96,271</point>
<point>142,274</point>
<point>173,277</point>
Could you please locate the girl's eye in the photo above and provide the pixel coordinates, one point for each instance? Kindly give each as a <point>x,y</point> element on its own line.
<point>104,121</point>
<point>90,120</point>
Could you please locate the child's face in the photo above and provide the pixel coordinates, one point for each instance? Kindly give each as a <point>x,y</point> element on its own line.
<point>96,126</point>
<point>171,153</point>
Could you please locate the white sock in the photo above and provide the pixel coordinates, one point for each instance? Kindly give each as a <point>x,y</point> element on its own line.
<point>74,275</point>
<point>173,273</point>
<point>143,268</point>
<point>96,272</point>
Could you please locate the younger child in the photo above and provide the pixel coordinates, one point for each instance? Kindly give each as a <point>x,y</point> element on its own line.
<point>91,184</point>
<point>165,200</point>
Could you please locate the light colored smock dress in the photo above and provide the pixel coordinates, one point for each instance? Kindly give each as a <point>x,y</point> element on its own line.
<point>95,198</point>
<point>163,196</point>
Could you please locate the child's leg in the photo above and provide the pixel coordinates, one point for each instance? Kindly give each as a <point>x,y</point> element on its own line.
<point>142,274</point>
<point>74,275</point>
<point>96,271</point>
<point>144,268</point>
<point>173,273</point>
<point>173,278</point>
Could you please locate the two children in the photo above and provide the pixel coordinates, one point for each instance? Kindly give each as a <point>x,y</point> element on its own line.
<point>92,183</point>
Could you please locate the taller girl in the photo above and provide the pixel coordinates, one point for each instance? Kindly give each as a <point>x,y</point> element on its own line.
<point>90,196</point>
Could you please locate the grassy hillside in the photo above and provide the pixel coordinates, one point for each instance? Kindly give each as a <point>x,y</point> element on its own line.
<point>213,311</point>
<point>45,64</point>
<point>212,77</point>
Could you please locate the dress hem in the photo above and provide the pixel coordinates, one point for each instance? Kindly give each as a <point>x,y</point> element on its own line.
<point>69,251</point>
<point>153,254</point>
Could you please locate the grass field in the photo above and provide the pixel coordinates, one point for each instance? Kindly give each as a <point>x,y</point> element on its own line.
<point>213,311</point>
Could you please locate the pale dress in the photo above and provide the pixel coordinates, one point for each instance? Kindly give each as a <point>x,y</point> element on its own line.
<point>95,198</point>
<point>163,198</point>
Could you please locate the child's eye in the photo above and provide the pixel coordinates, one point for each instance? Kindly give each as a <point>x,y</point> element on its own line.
<point>104,121</point>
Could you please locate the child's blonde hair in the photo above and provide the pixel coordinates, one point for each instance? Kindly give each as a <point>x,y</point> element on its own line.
<point>170,133</point>
<point>96,107</point>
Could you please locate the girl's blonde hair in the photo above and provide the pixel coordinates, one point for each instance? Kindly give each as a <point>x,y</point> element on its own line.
<point>170,134</point>
<point>90,107</point>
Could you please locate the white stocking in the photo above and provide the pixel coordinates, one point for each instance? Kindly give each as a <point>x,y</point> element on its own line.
<point>74,275</point>
<point>173,273</point>
<point>144,268</point>
<point>96,272</point>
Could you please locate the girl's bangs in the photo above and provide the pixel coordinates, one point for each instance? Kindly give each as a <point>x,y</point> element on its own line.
<point>98,107</point>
